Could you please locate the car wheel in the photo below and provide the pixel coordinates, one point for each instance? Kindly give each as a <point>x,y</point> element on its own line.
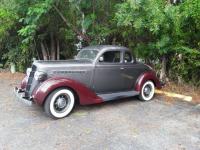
<point>147,91</point>
<point>59,103</point>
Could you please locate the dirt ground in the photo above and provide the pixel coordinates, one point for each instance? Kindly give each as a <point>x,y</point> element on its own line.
<point>122,125</point>
<point>184,89</point>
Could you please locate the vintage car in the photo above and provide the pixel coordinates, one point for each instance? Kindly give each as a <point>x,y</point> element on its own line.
<point>97,74</point>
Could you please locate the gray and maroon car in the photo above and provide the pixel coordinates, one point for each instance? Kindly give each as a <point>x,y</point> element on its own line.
<point>97,74</point>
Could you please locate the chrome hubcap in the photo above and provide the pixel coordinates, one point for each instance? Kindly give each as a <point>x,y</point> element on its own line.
<point>61,103</point>
<point>147,90</point>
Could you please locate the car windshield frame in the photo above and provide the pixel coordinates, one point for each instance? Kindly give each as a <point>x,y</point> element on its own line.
<point>84,54</point>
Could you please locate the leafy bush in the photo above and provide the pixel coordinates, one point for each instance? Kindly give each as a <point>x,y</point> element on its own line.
<point>186,67</point>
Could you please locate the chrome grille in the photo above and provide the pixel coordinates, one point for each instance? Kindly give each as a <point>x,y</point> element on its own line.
<point>30,80</point>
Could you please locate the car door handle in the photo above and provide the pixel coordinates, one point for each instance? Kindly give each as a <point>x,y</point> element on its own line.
<point>122,68</point>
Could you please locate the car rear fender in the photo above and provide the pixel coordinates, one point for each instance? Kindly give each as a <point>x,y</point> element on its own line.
<point>147,76</point>
<point>85,95</point>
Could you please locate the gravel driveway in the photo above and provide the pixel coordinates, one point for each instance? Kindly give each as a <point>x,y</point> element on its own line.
<point>123,124</point>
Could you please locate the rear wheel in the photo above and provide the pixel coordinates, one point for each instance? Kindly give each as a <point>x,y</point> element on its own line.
<point>59,103</point>
<point>147,91</point>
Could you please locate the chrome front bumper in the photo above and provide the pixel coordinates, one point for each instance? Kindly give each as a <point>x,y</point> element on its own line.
<point>19,93</point>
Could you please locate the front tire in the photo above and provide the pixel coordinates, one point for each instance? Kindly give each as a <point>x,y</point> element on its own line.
<point>147,92</point>
<point>59,103</point>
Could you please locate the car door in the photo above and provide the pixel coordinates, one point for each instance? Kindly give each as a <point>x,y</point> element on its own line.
<point>131,71</point>
<point>108,72</point>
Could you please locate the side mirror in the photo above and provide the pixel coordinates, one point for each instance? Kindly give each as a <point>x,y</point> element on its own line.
<point>101,59</point>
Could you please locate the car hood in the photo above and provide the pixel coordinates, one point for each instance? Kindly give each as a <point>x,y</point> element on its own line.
<point>43,65</point>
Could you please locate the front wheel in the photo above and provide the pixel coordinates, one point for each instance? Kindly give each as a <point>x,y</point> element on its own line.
<point>59,103</point>
<point>147,91</point>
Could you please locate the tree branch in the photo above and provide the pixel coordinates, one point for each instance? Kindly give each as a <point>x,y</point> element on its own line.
<point>84,36</point>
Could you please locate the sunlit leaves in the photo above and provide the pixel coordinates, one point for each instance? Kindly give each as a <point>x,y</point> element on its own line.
<point>32,18</point>
<point>7,19</point>
<point>157,19</point>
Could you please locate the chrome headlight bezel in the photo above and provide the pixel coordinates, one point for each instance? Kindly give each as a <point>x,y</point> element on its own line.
<point>40,76</point>
<point>28,71</point>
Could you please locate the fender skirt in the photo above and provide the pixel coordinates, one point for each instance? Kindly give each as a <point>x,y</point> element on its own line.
<point>86,96</point>
<point>147,76</point>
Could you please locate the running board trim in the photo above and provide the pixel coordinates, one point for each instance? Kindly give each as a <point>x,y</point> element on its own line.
<point>118,95</point>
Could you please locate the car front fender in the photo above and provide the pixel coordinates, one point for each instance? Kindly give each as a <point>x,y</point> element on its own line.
<point>145,77</point>
<point>85,95</point>
<point>24,82</point>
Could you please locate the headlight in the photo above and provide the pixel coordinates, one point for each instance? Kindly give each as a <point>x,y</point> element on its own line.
<point>28,71</point>
<point>40,76</point>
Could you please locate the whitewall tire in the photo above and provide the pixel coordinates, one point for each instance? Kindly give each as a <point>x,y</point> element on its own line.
<point>59,103</point>
<point>147,92</point>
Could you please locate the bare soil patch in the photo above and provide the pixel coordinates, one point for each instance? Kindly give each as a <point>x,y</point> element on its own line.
<point>10,76</point>
<point>184,89</point>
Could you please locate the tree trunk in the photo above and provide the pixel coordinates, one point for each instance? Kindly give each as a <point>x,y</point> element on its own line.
<point>82,23</point>
<point>47,50</point>
<point>44,52</point>
<point>58,49</point>
<point>53,51</point>
<point>107,9</point>
<point>163,69</point>
<point>114,41</point>
<point>93,11</point>
<point>148,62</point>
<point>36,50</point>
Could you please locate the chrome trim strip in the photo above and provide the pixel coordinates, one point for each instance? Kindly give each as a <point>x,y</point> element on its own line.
<point>19,94</point>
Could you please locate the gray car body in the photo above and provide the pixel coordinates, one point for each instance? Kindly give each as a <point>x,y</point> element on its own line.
<point>100,77</point>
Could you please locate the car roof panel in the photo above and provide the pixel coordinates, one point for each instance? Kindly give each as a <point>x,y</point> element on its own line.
<point>105,47</point>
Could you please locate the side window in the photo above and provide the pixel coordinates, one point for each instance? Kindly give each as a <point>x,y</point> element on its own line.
<point>128,57</point>
<point>110,57</point>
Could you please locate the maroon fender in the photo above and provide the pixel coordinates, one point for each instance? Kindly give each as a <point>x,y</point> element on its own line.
<point>85,95</point>
<point>24,82</point>
<point>147,76</point>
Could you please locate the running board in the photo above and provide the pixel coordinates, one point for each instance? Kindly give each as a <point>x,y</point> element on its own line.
<point>118,95</point>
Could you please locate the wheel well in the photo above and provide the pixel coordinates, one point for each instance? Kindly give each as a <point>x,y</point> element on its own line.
<point>74,92</point>
<point>148,80</point>
<point>153,82</point>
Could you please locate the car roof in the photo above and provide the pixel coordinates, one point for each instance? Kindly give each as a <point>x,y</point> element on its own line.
<point>105,47</point>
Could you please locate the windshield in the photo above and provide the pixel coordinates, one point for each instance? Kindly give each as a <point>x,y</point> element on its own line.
<point>87,54</point>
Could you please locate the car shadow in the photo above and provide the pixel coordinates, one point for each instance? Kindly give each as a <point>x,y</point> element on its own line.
<point>82,110</point>
<point>116,102</point>
<point>134,100</point>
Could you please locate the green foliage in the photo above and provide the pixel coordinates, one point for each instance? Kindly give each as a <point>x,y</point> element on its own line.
<point>6,21</point>
<point>7,16</point>
<point>32,18</point>
<point>187,68</point>
<point>152,23</point>
<point>159,28</point>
